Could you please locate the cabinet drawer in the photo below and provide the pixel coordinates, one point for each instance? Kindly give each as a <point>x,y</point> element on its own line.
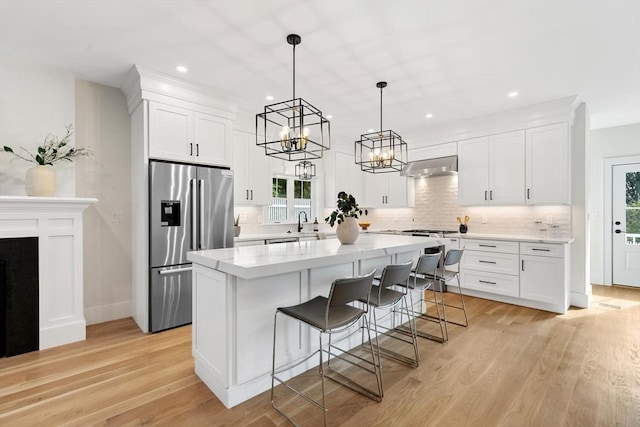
<point>490,245</point>
<point>490,262</point>
<point>488,282</point>
<point>542,249</point>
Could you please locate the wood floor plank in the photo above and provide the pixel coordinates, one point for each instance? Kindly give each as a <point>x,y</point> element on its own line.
<point>511,366</point>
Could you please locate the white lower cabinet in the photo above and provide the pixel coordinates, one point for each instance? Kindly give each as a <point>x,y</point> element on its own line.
<point>542,273</point>
<point>522,273</point>
<point>490,266</point>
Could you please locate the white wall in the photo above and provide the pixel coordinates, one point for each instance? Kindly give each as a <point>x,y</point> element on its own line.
<point>35,100</point>
<point>605,144</point>
<point>102,123</point>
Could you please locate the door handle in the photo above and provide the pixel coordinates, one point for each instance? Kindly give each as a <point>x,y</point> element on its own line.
<point>197,150</point>
<point>522,265</point>
<point>194,215</point>
<point>174,271</point>
<point>251,194</point>
<point>485,194</point>
<point>191,149</point>
<point>491,195</point>
<point>247,198</point>
<point>528,195</point>
<point>201,193</point>
<point>487,262</point>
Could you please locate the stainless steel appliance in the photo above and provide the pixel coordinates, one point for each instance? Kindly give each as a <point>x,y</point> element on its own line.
<point>438,233</point>
<point>190,208</point>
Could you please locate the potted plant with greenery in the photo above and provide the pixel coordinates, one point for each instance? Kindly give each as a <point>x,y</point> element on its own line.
<point>40,180</point>
<point>345,215</point>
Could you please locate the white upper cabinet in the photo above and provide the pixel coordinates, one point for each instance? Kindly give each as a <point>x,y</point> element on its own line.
<point>506,168</point>
<point>342,174</point>
<point>181,134</point>
<point>473,171</point>
<point>492,169</point>
<point>548,165</point>
<point>252,172</point>
<point>385,190</point>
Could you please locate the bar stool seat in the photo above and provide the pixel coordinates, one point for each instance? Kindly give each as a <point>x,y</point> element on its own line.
<point>328,316</point>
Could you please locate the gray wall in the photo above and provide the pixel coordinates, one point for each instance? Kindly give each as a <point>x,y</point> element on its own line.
<point>102,124</point>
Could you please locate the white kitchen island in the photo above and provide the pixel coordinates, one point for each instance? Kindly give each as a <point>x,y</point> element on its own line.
<point>237,290</point>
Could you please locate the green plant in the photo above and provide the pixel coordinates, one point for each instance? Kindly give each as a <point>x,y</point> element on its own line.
<point>347,207</point>
<point>236,221</point>
<point>52,150</point>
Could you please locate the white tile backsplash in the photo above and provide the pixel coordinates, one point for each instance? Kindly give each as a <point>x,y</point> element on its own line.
<point>436,206</point>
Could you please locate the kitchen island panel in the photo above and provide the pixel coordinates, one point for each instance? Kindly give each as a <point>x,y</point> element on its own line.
<point>235,298</point>
<point>254,307</point>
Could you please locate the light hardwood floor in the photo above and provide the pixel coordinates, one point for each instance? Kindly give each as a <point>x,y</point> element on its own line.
<point>512,366</point>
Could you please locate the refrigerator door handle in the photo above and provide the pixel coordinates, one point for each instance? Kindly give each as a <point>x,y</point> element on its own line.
<point>201,225</point>
<point>174,271</point>
<point>194,216</point>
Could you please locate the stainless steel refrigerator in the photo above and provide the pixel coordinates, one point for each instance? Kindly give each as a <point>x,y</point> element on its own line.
<point>190,208</point>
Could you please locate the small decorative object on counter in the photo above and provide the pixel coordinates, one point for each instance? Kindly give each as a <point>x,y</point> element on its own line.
<point>236,226</point>
<point>40,180</point>
<point>315,224</point>
<point>364,225</point>
<point>463,224</point>
<point>346,215</point>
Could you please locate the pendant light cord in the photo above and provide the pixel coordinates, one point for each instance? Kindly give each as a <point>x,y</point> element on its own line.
<point>381,110</point>
<point>294,71</point>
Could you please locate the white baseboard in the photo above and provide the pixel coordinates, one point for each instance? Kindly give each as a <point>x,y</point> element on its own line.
<point>105,313</point>
<point>580,300</point>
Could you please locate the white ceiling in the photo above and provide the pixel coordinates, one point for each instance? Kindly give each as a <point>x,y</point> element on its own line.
<point>454,59</point>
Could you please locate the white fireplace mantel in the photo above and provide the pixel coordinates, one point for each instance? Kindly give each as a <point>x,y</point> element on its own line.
<point>57,223</point>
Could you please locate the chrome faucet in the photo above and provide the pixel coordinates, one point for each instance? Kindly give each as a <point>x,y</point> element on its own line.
<point>305,220</point>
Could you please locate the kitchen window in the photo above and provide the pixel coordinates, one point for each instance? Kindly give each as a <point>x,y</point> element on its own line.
<point>289,197</point>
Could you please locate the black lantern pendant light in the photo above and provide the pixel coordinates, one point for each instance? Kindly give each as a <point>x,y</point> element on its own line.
<point>305,170</point>
<point>293,130</point>
<point>383,151</point>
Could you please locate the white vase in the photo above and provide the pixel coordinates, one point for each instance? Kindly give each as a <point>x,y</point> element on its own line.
<point>347,231</point>
<point>40,181</point>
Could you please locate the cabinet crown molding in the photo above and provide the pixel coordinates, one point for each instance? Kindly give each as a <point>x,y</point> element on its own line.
<point>142,83</point>
<point>530,116</point>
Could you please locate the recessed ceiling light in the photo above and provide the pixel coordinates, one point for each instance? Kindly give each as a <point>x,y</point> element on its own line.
<point>370,130</point>
<point>269,98</point>
<point>329,117</point>
<point>513,94</point>
<point>428,116</point>
<point>182,68</point>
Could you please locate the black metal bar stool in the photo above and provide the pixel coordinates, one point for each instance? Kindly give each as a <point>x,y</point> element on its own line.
<point>384,297</point>
<point>422,279</point>
<point>329,316</point>
<point>446,274</point>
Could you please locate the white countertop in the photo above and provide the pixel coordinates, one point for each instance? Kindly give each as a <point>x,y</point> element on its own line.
<point>491,236</point>
<point>250,262</point>
<point>272,236</point>
<point>513,237</point>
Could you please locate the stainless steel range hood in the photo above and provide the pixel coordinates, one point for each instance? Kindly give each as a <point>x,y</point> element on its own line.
<point>431,167</point>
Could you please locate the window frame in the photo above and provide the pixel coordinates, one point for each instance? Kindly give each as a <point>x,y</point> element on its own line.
<point>291,217</point>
